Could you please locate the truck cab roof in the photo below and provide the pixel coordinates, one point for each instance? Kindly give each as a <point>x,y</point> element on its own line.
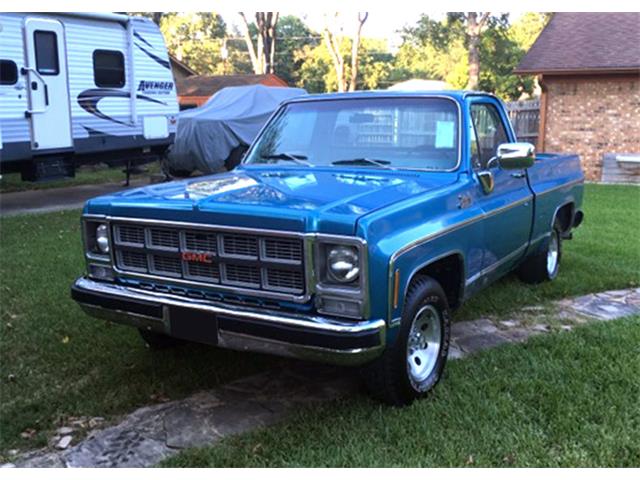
<point>457,95</point>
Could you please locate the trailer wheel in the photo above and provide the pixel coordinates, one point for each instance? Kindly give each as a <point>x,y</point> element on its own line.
<point>412,366</point>
<point>543,265</point>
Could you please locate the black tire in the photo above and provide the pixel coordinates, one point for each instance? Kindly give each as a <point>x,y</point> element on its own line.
<point>158,341</point>
<point>388,378</point>
<point>535,268</point>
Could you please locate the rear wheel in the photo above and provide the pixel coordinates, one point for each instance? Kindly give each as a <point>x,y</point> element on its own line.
<point>413,364</point>
<point>545,264</point>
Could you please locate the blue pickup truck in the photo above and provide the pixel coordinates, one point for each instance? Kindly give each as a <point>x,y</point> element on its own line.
<point>353,227</point>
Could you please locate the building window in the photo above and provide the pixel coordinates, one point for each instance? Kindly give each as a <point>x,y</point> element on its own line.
<point>46,46</point>
<point>108,68</point>
<point>8,72</point>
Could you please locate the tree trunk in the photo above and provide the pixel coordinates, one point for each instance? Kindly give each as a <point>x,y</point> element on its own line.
<point>333,45</point>
<point>249,42</point>
<point>355,47</point>
<point>263,54</point>
<point>474,32</point>
<point>473,36</point>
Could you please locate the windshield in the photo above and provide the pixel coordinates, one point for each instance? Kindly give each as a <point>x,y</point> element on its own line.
<point>411,133</point>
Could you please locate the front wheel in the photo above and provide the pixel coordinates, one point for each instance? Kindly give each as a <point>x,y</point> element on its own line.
<point>411,366</point>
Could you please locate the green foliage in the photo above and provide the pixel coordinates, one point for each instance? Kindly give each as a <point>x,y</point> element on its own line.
<point>317,74</point>
<point>437,50</point>
<point>196,39</point>
<point>292,37</point>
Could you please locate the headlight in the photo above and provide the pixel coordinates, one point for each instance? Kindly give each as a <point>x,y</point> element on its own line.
<point>343,264</point>
<point>102,238</point>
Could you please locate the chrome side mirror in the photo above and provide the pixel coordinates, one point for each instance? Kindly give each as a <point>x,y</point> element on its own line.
<point>515,156</point>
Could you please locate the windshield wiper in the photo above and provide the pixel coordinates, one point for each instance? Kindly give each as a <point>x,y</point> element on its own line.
<point>363,161</point>
<point>290,157</point>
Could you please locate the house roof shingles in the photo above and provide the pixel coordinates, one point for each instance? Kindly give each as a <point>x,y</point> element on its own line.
<point>207,85</point>
<point>586,43</point>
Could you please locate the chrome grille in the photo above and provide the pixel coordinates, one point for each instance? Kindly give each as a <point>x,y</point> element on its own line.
<point>281,249</point>
<point>165,265</point>
<point>250,261</point>
<point>201,242</point>
<point>136,261</point>
<point>240,246</point>
<point>201,271</point>
<point>162,238</point>
<point>242,275</point>
<point>130,234</point>
<point>284,280</point>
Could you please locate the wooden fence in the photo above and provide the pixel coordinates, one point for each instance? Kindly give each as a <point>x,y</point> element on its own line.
<point>525,118</point>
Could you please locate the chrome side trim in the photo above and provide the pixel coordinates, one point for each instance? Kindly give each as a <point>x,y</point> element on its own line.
<point>559,187</point>
<point>457,226</point>
<point>494,266</point>
<point>434,235</point>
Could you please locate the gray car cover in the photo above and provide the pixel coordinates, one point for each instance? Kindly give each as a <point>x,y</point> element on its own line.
<point>232,117</point>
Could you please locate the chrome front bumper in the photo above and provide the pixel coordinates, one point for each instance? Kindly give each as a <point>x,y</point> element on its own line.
<point>306,337</point>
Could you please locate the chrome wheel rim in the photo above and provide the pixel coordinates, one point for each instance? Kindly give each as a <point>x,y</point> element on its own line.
<point>552,255</point>
<point>423,345</point>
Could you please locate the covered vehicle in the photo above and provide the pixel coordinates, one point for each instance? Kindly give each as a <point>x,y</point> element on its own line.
<point>215,135</point>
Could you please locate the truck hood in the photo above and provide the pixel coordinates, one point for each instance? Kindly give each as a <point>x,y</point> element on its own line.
<point>296,199</point>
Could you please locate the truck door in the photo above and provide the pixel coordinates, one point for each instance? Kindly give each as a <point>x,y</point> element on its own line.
<point>47,83</point>
<point>508,208</point>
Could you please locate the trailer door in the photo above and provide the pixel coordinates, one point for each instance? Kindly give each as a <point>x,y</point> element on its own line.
<point>47,83</point>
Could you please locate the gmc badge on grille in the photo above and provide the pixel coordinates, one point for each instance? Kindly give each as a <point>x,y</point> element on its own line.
<point>197,257</point>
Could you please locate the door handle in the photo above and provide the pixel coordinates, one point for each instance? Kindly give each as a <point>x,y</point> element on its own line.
<point>518,175</point>
<point>46,95</point>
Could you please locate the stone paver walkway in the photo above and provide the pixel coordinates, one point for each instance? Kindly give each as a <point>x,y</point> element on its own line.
<point>150,434</point>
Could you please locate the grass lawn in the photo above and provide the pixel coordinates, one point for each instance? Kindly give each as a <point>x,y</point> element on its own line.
<point>56,362</point>
<point>566,399</point>
<point>86,175</point>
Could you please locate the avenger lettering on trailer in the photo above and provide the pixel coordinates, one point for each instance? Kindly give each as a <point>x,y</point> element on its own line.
<point>155,87</point>
<point>353,228</point>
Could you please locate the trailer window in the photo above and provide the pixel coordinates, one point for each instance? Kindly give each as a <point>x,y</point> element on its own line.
<point>8,72</point>
<point>46,43</point>
<point>108,68</point>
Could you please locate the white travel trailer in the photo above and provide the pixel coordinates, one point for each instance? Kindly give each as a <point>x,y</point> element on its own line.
<point>82,87</point>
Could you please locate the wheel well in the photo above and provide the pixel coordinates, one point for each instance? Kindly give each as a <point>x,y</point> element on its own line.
<point>448,272</point>
<point>564,216</point>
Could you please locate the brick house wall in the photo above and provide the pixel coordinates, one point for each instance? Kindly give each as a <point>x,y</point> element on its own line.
<point>592,116</point>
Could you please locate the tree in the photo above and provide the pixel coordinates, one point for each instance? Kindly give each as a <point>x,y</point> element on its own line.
<point>196,39</point>
<point>355,47</point>
<point>476,23</point>
<point>293,36</point>
<point>263,53</point>
<point>317,72</point>
<point>439,50</point>
<point>334,44</point>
